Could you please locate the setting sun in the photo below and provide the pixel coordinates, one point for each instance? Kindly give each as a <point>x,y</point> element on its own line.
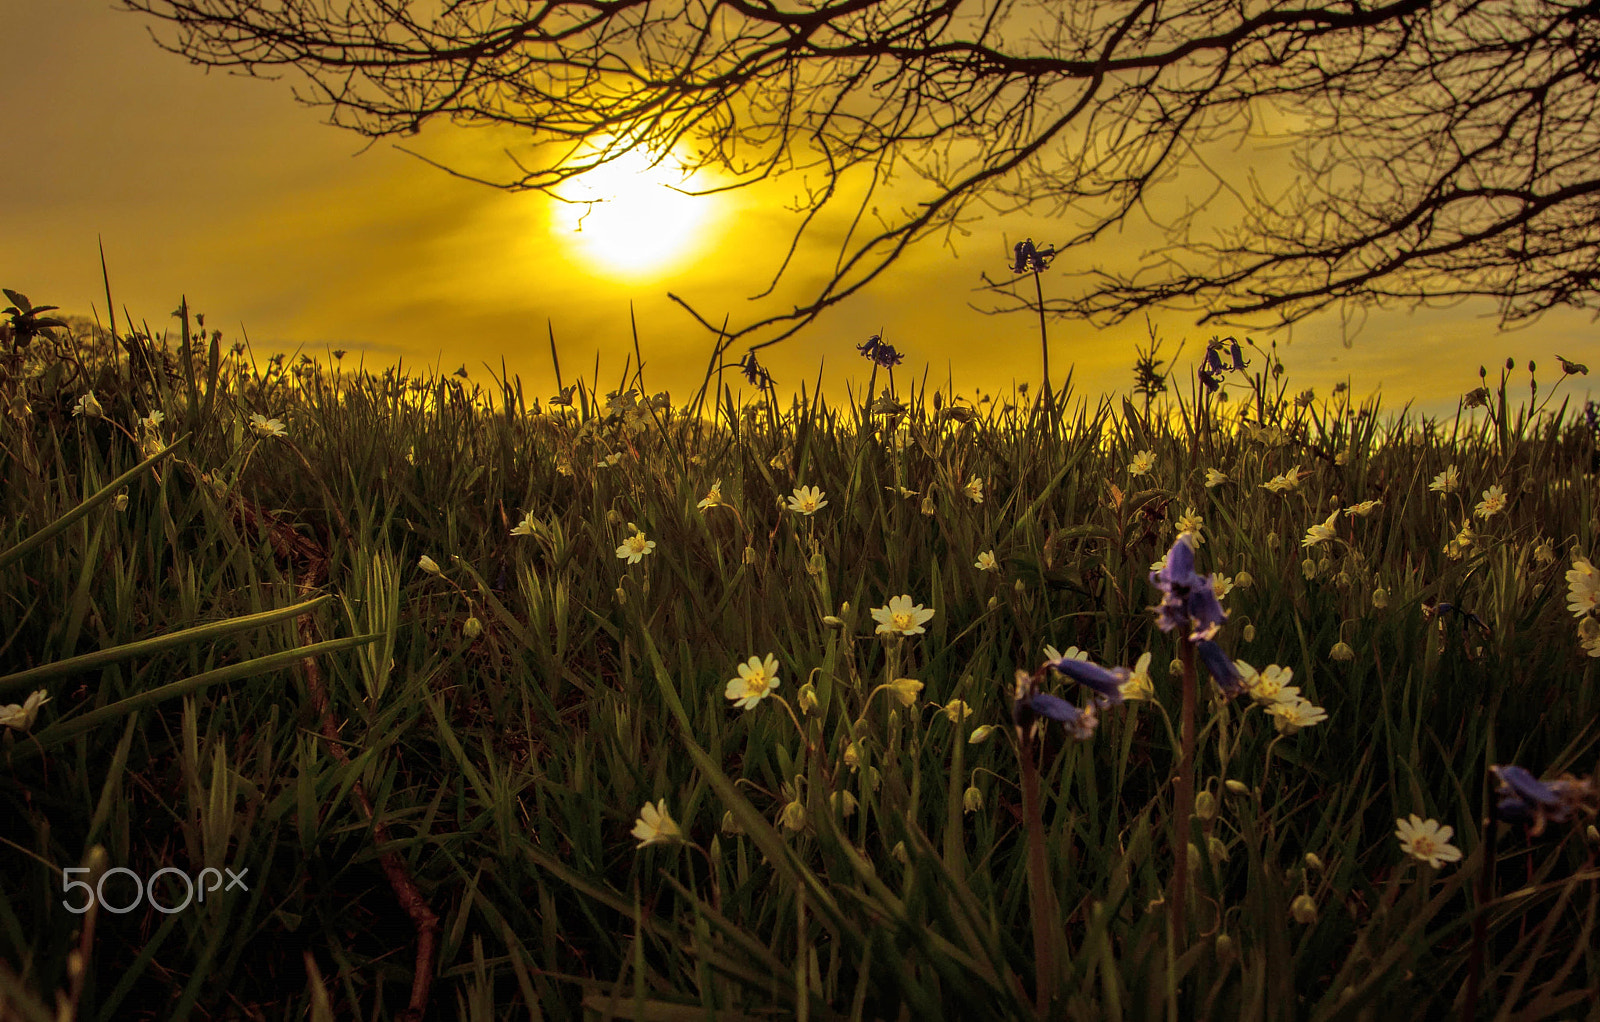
<point>626,217</point>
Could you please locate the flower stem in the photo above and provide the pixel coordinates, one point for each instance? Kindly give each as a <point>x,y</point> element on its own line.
<point>1041,893</point>
<point>1183,802</point>
<point>1480,924</point>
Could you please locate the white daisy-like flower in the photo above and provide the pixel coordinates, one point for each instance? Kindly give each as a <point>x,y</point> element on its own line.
<point>986,562</point>
<point>265,427</point>
<point>21,718</point>
<point>635,547</point>
<point>974,489</point>
<point>1446,481</point>
<point>757,679</point>
<point>1215,478</point>
<point>1426,840</point>
<point>656,826</point>
<point>807,500</point>
<point>1142,463</point>
<point>901,617</point>
<point>529,526</point>
<point>1583,588</point>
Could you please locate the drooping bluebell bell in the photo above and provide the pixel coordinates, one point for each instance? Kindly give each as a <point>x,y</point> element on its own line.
<point>752,370</point>
<point>1187,598</point>
<point>1213,360</point>
<point>1221,669</point>
<point>1028,704</point>
<point>1029,258</point>
<point>1106,683</point>
<point>1523,798</point>
<point>1238,358</point>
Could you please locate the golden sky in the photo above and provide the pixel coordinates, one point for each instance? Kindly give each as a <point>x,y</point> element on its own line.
<point>223,189</point>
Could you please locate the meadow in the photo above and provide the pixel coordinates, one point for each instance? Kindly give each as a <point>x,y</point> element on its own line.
<point>1216,700</point>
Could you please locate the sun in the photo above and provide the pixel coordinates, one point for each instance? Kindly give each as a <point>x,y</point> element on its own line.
<point>626,219</point>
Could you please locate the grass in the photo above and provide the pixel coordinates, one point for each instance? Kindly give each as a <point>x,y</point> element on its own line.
<point>431,778</point>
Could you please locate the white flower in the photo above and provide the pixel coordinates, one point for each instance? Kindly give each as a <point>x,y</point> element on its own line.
<point>713,498</point>
<point>1446,481</point>
<point>265,427</point>
<point>1426,841</point>
<point>529,526</point>
<point>901,617</point>
<point>22,717</point>
<point>1366,507</point>
<point>153,420</point>
<point>1583,588</point>
<point>757,679</point>
<point>1493,502</point>
<point>1142,463</point>
<point>1215,478</point>
<point>1285,482</point>
<point>1321,533</point>
<point>428,564</point>
<point>635,546</point>
<point>974,489</point>
<point>986,562</point>
<point>656,826</point>
<point>88,407</point>
<point>807,500</point>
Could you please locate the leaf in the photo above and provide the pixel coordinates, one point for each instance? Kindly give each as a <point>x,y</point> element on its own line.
<point>19,299</point>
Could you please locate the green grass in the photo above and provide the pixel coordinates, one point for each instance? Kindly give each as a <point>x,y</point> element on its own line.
<point>332,725</point>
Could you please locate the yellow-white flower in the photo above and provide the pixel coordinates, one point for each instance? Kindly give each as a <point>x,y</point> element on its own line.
<point>1366,507</point>
<point>1221,584</point>
<point>956,710</point>
<point>1215,478</point>
<point>901,616</point>
<point>905,690</point>
<point>1051,653</point>
<point>757,679</point>
<point>1285,482</point>
<point>807,500</point>
<point>1493,502</point>
<point>1138,684</point>
<point>21,717</point>
<point>1142,463</point>
<point>1446,481</point>
<point>88,407</point>
<point>265,427</point>
<point>656,826</point>
<point>713,498</point>
<point>153,420</point>
<point>1426,840</point>
<point>974,489</point>
<point>986,562</point>
<point>1272,685</point>
<point>428,564</point>
<point>1321,533</point>
<point>1292,716</point>
<point>1583,588</point>
<point>972,799</point>
<point>529,526</point>
<point>635,546</point>
<point>1190,524</point>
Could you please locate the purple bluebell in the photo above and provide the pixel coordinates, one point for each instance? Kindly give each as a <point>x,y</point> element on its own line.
<point>1221,669</point>
<point>752,370</point>
<point>1523,798</point>
<point>1214,361</point>
<point>1106,683</point>
<point>1028,704</point>
<point>1210,381</point>
<point>1029,258</point>
<point>1187,598</point>
<point>1238,357</point>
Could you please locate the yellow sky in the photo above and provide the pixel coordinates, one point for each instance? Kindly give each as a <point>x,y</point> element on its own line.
<point>224,189</point>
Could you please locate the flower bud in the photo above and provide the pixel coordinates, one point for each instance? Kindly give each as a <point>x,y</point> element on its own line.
<point>1194,859</point>
<point>843,803</point>
<point>1313,863</point>
<point>817,565</point>
<point>793,816</point>
<point>1303,909</point>
<point>749,555</point>
<point>1020,587</point>
<point>428,564</point>
<point>1342,651</point>
<point>852,755</point>
<point>1308,568</point>
<point>1237,787</point>
<point>472,628</point>
<point>1224,946</point>
<point>1244,580</point>
<point>614,517</point>
<point>972,799</point>
<point>1216,849</point>
<point>982,733</point>
<point>994,601</point>
<point>833,622</point>
<point>807,698</point>
<point>622,596</point>
<point>730,825</point>
<point>1205,805</point>
<point>1249,632</point>
<point>900,853</point>
<point>1272,541</point>
<point>1176,667</point>
<point>1380,598</point>
<point>927,506</point>
<point>905,690</point>
<point>120,502</point>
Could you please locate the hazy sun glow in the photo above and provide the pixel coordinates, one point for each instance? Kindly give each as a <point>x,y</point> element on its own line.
<point>639,225</point>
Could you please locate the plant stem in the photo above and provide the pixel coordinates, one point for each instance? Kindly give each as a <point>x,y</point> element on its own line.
<point>1183,801</point>
<point>1044,340</point>
<point>1041,893</point>
<point>1480,924</point>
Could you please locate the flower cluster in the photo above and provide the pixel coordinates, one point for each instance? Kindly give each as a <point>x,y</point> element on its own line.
<point>880,353</point>
<point>1523,798</point>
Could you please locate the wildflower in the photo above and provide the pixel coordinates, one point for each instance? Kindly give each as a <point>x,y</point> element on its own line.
<point>753,372</point>
<point>1426,841</point>
<point>1341,651</point>
<point>843,803</point>
<point>1342,458</point>
<point>1283,483</point>
<point>656,826</point>
<point>1272,685</point>
<point>1106,683</point>
<point>956,711</point>
<point>986,562</point>
<point>852,755</point>
<point>713,498</point>
<point>901,617</point>
<point>1477,398</point>
<point>472,628</point>
<point>609,461</point>
<point>1322,533</point>
<point>635,546</point>
<point>1236,787</point>
<point>1138,684</point>
<point>120,502</point>
<point>1458,546</point>
<point>1589,635</point>
<point>972,799</point>
<point>927,506</point>
<point>1248,633</point>
<point>1142,463</point>
<point>1244,580</point>
<point>88,407</point>
<point>982,733</point>
<point>1222,670</point>
<point>529,526</point>
<point>1380,598</point>
<point>793,816</point>
<point>1291,717</point>
<point>757,679</point>
<point>1215,478</point>
<point>1221,584</point>
<point>1029,258</point>
<point>153,421</point>
<point>1572,368</point>
<point>905,690</point>
<point>1051,653</point>
<point>1303,909</point>
<point>265,427</point>
<point>1544,553</point>
<point>1028,704</point>
<point>807,500</point>
<point>1446,481</point>
<point>1187,598</point>
<point>428,564</point>
<point>1493,502</point>
<point>1526,799</point>
<point>1583,588</point>
<point>903,491</point>
<point>807,699</point>
<point>1190,523</point>
<point>1366,507</point>
<point>21,717</point>
<point>974,489</point>
<point>879,352</point>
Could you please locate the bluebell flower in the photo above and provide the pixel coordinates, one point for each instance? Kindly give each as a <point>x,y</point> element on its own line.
<point>1238,357</point>
<point>1029,258</point>
<point>1106,683</point>
<point>1187,598</point>
<point>752,370</point>
<point>1221,669</point>
<point>1210,381</point>
<point>1523,798</point>
<point>1213,360</point>
<point>1028,704</point>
